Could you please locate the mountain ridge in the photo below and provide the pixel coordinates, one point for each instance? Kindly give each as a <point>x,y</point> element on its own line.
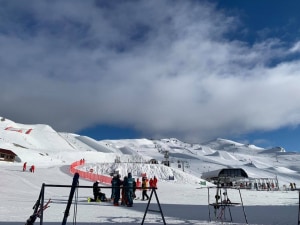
<point>43,145</point>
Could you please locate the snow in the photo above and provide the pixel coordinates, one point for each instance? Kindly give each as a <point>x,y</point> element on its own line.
<point>183,200</point>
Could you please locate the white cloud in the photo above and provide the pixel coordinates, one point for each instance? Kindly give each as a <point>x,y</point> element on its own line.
<point>296,47</point>
<point>165,68</point>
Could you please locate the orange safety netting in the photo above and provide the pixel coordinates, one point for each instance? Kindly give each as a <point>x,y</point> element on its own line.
<point>88,175</point>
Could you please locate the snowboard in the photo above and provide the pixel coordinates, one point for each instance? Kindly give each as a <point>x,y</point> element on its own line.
<point>89,199</point>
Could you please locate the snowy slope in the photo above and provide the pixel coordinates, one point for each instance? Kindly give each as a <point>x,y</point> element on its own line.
<point>52,152</point>
<point>47,145</point>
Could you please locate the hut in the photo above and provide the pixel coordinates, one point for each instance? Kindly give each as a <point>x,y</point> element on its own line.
<point>7,155</point>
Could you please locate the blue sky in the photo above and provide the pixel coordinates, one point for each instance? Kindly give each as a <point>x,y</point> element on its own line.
<point>193,70</point>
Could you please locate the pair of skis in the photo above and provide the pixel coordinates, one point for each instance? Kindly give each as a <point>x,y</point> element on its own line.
<point>38,208</point>
<point>37,212</point>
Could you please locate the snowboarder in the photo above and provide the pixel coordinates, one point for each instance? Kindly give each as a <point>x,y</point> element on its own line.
<point>98,195</point>
<point>96,191</point>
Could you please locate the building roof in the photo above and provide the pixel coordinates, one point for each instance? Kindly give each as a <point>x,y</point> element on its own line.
<point>9,152</point>
<point>218,173</point>
<point>210,174</point>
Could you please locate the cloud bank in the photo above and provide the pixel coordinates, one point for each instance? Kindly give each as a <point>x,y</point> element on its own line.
<point>164,68</point>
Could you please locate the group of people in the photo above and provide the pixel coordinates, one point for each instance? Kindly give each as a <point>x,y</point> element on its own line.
<point>128,188</point>
<point>145,185</point>
<point>124,190</point>
<point>31,169</point>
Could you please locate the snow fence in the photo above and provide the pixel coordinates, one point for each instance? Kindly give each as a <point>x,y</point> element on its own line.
<point>90,175</point>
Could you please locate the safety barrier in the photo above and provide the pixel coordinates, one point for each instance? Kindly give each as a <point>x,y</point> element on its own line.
<point>88,175</point>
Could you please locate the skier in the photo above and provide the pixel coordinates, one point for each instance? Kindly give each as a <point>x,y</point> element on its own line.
<point>116,184</point>
<point>128,189</point>
<point>32,169</point>
<point>24,166</point>
<point>144,188</point>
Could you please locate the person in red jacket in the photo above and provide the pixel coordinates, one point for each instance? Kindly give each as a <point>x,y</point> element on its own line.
<point>24,166</point>
<point>32,169</point>
<point>155,182</point>
<point>138,186</point>
<point>151,182</point>
<point>138,183</point>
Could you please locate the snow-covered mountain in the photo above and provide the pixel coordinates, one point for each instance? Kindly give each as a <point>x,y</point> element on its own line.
<point>185,198</point>
<point>40,144</point>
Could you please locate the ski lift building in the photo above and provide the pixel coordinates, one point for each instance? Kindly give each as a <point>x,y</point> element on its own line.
<point>225,175</point>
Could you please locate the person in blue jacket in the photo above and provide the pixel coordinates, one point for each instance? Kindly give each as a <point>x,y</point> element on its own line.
<point>116,186</point>
<point>129,185</point>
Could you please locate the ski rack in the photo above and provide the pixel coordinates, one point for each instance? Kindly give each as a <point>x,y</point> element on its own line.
<point>40,206</point>
<point>224,203</point>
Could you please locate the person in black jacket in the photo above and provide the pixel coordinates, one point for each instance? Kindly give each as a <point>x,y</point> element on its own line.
<point>96,191</point>
<point>116,187</point>
<point>98,195</point>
